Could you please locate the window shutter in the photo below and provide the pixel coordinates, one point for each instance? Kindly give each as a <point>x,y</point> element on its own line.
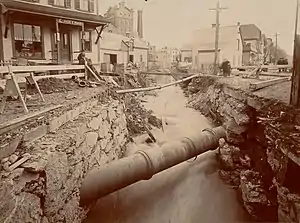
<point>77,4</point>
<point>51,2</point>
<point>68,3</point>
<point>91,5</point>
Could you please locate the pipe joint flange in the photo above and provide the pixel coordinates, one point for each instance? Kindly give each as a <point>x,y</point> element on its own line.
<point>149,164</point>
<point>214,134</point>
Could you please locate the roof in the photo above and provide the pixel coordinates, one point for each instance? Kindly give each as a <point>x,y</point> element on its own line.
<point>204,39</point>
<point>139,43</point>
<point>56,12</point>
<point>250,31</point>
<point>112,41</point>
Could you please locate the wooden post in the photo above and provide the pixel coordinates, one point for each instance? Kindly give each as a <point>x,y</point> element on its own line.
<point>82,37</point>
<point>1,39</point>
<point>218,9</point>
<point>57,41</point>
<point>295,87</point>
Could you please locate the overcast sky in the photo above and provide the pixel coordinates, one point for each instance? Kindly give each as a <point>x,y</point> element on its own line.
<point>170,22</point>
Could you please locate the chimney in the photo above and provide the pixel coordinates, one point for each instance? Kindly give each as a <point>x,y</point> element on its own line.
<point>140,23</point>
<point>122,4</point>
<point>213,25</point>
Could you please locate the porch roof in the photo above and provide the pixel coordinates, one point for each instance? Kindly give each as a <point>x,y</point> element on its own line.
<point>56,12</point>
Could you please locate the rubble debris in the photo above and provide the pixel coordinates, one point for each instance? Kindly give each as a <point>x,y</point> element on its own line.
<point>52,85</point>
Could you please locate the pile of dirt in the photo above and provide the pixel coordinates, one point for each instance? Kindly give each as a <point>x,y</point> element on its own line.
<point>200,84</point>
<point>138,118</point>
<point>51,85</point>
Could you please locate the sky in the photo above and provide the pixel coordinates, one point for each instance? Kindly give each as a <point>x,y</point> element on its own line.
<point>171,22</point>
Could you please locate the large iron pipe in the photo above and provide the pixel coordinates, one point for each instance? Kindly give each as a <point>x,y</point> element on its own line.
<point>144,164</point>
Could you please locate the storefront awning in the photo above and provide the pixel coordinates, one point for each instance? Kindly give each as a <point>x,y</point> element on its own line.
<point>55,12</point>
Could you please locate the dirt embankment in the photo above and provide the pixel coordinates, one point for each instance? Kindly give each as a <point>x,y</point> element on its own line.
<point>262,154</point>
<point>45,158</point>
<point>139,119</point>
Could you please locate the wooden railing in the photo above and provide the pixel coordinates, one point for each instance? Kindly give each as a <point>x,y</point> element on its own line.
<point>263,66</point>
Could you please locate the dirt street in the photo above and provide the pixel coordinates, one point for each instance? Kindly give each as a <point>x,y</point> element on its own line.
<point>187,193</point>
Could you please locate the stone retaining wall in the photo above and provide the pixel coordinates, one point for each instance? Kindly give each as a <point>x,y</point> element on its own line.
<point>40,180</point>
<point>262,157</point>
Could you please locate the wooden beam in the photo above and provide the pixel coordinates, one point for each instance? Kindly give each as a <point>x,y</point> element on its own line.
<point>263,66</point>
<point>262,84</point>
<point>39,68</point>
<point>11,124</point>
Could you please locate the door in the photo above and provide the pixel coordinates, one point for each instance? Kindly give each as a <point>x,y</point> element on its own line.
<point>65,46</point>
<point>64,43</point>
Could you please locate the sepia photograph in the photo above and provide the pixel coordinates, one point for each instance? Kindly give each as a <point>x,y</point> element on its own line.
<point>149,111</point>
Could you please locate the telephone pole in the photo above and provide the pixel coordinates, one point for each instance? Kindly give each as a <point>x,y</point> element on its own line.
<point>218,9</point>
<point>295,88</point>
<point>276,47</point>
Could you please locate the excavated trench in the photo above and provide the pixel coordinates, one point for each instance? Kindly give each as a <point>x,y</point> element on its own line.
<point>185,193</point>
<point>44,159</point>
<point>261,159</point>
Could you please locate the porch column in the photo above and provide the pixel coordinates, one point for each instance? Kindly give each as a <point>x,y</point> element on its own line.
<point>1,39</point>
<point>82,37</point>
<point>57,41</point>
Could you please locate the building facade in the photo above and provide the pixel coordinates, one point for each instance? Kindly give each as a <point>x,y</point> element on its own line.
<point>203,47</point>
<point>122,18</point>
<point>253,44</point>
<point>119,49</point>
<point>163,58</point>
<point>49,31</point>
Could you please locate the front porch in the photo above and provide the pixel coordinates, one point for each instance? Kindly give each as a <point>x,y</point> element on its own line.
<point>46,35</point>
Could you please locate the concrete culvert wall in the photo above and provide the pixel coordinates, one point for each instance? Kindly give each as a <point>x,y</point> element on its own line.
<point>261,157</point>
<point>45,188</point>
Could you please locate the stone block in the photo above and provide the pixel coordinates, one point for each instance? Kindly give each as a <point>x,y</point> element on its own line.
<point>235,94</point>
<point>80,136</point>
<point>8,200</point>
<point>104,129</point>
<point>56,123</point>
<point>111,114</point>
<point>95,123</point>
<point>254,103</point>
<point>27,209</point>
<point>35,134</point>
<point>9,148</point>
<point>57,170</point>
<point>73,213</point>
<point>91,139</point>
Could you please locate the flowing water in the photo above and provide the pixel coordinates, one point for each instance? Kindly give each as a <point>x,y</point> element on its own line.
<point>190,192</point>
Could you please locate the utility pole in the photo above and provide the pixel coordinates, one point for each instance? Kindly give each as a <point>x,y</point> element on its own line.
<point>98,44</point>
<point>295,88</point>
<point>276,47</point>
<point>218,9</point>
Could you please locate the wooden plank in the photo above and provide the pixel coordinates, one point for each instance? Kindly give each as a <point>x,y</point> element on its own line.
<point>60,76</point>
<point>263,66</point>
<point>262,84</point>
<point>6,126</point>
<point>41,68</point>
<point>18,163</point>
<point>275,74</point>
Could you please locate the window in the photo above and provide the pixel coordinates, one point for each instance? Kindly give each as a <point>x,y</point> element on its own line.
<point>85,5</point>
<point>27,41</point>
<point>141,58</point>
<point>60,3</point>
<point>238,44</point>
<point>87,36</point>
